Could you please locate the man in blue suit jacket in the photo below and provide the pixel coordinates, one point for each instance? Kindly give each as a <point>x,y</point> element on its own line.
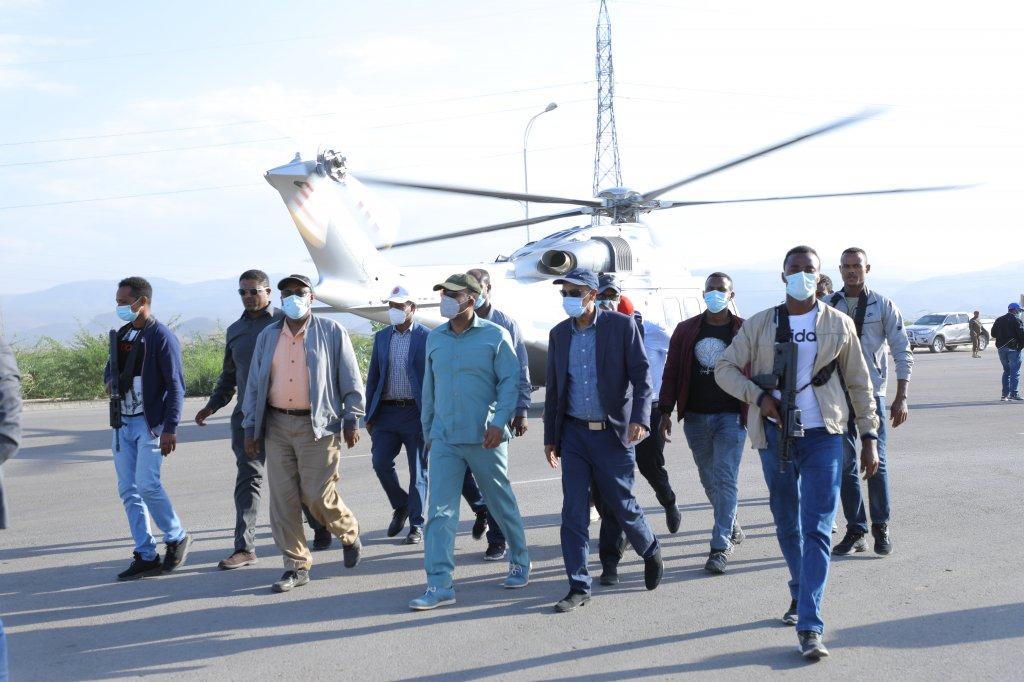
<point>393,388</point>
<point>597,407</point>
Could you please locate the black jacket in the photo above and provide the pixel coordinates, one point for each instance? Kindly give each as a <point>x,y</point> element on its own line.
<point>1008,332</point>
<point>10,414</point>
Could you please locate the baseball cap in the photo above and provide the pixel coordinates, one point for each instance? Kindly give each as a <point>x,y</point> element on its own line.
<point>300,279</point>
<point>460,281</point>
<point>606,281</point>
<point>398,295</point>
<point>579,276</point>
<point>1013,306</point>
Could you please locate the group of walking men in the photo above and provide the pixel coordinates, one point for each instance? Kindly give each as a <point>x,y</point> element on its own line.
<point>454,398</point>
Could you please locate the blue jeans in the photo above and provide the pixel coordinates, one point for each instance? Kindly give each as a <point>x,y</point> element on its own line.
<point>447,465</point>
<point>803,503</point>
<point>599,456</point>
<point>878,485</point>
<point>716,441</point>
<point>137,464</point>
<point>394,427</point>
<point>1011,371</point>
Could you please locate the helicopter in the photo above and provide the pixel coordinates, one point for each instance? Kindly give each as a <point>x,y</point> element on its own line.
<point>336,216</point>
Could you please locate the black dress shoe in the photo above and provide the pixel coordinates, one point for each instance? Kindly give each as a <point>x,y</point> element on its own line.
<point>883,541</point>
<point>571,601</point>
<point>610,576</point>
<point>322,539</point>
<point>398,520</point>
<point>414,537</point>
<point>654,568</point>
<point>352,553</point>
<point>673,518</point>
<point>141,568</point>
<point>291,579</point>
<point>480,525</point>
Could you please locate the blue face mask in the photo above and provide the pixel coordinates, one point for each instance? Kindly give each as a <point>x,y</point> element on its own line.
<point>296,307</point>
<point>609,304</point>
<point>450,307</point>
<point>716,301</point>
<point>480,301</point>
<point>573,306</point>
<point>801,286</point>
<point>126,313</point>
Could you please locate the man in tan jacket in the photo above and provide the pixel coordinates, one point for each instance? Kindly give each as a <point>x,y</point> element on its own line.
<point>803,491</point>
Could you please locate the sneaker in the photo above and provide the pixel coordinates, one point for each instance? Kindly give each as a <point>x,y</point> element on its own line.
<point>1017,397</point>
<point>851,543</point>
<point>673,518</point>
<point>495,552</point>
<point>414,537</point>
<point>716,562</point>
<point>571,602</point>
<point>811,646</point>
<point>654,569</point>
<point>141,568</point>
<point>433,598</point>
<point>518,577</point>
<point>322,540</point>
<point>177,552</point>
<point>595,515</point>
<point>883,543</point>
<point>610,575</point>
<point>291,579</point>
<point>237,560</point>
<point>1004,399</point>
<point>352,553</point>
<point>835,528</point>
<point>738,535</point>
<point>480,525</point>
<point>398,520</point>
<point>790,617</point>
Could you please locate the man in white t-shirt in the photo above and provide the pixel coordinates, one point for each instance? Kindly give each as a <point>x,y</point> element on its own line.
<point>804,489</point>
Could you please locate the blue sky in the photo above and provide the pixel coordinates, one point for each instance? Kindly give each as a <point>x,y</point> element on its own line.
<point>441,91</point>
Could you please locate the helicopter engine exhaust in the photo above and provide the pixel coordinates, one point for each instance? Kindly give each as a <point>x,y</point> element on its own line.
<point>599,254</point>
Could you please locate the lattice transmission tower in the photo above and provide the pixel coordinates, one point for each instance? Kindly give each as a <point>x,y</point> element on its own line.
<point>607,171</point>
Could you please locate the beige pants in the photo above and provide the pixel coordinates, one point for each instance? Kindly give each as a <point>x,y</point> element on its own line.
<point>301,470</point>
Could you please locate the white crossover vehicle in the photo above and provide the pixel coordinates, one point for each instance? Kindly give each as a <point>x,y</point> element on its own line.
<point>945,331</point>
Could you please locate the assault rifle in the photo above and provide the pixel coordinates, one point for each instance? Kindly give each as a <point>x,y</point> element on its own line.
<point>783,379</point>
<point>115,389</point>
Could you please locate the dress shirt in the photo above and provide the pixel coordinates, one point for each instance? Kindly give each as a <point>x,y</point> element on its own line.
<point>584,401</point>
<point>289,375</point>
<point>398,386</point>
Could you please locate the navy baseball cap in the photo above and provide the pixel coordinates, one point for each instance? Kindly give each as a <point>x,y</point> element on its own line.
<point>1013,306</point>
<point>580,276</point>
<point>295,279</point>
<point>607,281</point>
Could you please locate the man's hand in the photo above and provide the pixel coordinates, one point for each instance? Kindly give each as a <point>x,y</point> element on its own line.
<point>898,413</point>
<point>202,415</point>
<point>168,441</point>
<point>552,454</point>
<point>868,457</point>
<point>666,427</point>
<point>369,428</point>
<point>519,426</point>
<point>492,437</point>
<point>637,432</point>
<point>351,437</point>
<point>770,408</point>
<point>252,448</point>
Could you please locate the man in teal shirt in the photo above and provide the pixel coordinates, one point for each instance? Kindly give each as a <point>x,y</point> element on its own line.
<point>470,389</point>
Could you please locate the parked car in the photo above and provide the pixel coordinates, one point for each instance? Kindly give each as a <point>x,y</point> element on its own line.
<point>945,331</point>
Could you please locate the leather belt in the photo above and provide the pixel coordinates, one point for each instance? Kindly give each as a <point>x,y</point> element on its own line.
<point>593,426</point>
<point>402,402</point>
<point>294,413</point>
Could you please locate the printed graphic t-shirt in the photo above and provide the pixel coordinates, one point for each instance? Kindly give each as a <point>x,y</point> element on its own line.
<point>131,400</point>
<point>806,352</point>
<point>706,396</point>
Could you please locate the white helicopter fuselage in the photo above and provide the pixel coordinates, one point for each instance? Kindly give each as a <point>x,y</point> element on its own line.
<point>335,216</point>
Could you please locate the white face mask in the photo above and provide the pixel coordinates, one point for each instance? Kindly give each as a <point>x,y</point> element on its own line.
<point>801,285</point>
<point>396,316</point>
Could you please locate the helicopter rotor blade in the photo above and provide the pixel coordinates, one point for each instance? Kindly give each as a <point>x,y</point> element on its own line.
<point>827,128</point>
<point>488,228</point>
<point>906,190</point>
<point>454,189</point>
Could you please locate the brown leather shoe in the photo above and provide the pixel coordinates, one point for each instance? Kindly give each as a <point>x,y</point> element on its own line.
<point>237,560</point>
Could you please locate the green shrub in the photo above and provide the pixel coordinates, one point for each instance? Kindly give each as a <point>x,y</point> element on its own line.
<point>202,360</point>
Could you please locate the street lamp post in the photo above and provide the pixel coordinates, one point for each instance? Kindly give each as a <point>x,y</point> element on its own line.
<point>526,176</point>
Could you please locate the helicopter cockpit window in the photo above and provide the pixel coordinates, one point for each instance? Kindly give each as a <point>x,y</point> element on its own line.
<point>673,315</point>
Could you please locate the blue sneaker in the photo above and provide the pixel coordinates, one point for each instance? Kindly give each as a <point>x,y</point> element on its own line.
<point>433,598</point>
<point>517,577</point>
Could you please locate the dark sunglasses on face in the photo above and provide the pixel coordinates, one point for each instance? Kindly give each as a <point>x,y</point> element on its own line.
<point>574,293</point>
<point>252,292</point>
<point>285,293</point>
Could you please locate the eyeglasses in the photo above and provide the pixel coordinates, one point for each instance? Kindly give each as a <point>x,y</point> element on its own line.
<point>574,293</point>
<point>253,292</point>
<point>285,293</point>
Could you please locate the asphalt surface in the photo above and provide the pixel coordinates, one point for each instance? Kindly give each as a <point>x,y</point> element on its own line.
<point>948,603</point>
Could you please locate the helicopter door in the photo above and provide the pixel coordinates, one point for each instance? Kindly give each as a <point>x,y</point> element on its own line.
<point>673,314</point>
<point>692,306</point>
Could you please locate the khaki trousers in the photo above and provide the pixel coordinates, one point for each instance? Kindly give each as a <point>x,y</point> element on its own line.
<point>301,470</point>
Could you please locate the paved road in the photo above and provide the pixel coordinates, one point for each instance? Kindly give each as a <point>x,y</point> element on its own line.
<point>948,602</point>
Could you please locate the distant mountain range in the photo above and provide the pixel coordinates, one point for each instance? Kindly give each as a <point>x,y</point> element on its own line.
<point>203,307</point>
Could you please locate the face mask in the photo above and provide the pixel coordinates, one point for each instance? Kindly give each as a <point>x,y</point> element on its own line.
<point>608,305</point>
<point>573,306</point>
<point>801,286</point>
<point>126,313</point>
<point>450,307</point>
<point>396,316</point>
<point>296,307</point>
<point>481,300</point>
<point>717,301</point>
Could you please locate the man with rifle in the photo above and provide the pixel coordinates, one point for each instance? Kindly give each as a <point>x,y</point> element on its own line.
<point>798,411</point>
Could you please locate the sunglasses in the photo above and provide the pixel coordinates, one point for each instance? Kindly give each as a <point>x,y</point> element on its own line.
<point>253,292</point>
<point>285,293</point>
<point>574,293</point>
